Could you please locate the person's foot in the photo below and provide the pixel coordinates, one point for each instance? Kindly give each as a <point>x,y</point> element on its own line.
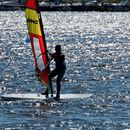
<point>45,93</point>
<point>56,98</point>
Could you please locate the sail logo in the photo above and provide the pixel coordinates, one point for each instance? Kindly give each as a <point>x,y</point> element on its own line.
<point>32,21</point>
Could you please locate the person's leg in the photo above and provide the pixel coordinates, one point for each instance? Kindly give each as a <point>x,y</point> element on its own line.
<point>60,76</point>
<point>58,88</point>
<point>52,75</point>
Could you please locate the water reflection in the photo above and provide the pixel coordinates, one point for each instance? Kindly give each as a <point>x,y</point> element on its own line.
<point>97,49</point>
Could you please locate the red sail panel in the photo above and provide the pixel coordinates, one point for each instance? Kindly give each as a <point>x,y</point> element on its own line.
<point>37,38</point>
<point>31,4</point>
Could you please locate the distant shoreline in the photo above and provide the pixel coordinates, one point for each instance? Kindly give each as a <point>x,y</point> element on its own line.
<point>112,8</point>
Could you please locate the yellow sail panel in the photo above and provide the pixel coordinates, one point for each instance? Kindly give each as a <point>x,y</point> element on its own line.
<point>33,22</point>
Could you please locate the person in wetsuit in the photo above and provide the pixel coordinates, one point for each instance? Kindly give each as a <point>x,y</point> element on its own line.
<point>59,70</point>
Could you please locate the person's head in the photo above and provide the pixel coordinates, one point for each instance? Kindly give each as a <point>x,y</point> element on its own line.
<point>58,48</point>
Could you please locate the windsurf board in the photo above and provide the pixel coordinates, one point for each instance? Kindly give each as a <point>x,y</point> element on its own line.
<point>39,96</point>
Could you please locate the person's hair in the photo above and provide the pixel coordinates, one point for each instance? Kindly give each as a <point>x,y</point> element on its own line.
<point>58,47</point>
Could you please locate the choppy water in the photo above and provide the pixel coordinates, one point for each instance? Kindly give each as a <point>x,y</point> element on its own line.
<point>97,49</point>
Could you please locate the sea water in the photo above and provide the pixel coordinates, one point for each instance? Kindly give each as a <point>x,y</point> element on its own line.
<point>97,50</point>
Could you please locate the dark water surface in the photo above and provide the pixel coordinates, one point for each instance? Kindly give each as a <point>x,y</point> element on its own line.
<point>97,49</point>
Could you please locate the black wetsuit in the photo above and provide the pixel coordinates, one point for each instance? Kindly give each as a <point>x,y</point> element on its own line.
<point>59,71</point>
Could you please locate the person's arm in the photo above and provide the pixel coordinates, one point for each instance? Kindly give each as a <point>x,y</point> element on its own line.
<point>50,55</point>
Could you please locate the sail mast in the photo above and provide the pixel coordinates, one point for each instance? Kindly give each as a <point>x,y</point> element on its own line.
<point>37,38</point>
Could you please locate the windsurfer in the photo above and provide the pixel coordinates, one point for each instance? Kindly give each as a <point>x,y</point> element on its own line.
<point>59,70</point>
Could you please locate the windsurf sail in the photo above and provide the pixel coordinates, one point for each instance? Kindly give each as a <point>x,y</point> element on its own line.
<point>37,39</point>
